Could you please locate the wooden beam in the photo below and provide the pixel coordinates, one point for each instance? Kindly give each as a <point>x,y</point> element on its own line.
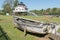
<point>25,31</point>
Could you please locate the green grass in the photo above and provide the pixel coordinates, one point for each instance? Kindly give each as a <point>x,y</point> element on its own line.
<point>44,19</point>
<point>7,24</point>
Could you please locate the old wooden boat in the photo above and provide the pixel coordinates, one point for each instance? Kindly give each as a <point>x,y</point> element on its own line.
<point>34,26</point>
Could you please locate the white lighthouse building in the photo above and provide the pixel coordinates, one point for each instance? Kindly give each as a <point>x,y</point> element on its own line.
<point>21,8</point>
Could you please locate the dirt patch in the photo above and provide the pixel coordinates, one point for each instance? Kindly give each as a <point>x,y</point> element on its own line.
<point>1,19</point>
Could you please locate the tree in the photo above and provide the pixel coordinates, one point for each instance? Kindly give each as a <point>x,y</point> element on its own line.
<point>48,11</point>
<point>58,11</point>
<point>16,3</point>
<point>54,11</point>
<point>7,8</point>
<point>42,11</point>
<point>11,2</point>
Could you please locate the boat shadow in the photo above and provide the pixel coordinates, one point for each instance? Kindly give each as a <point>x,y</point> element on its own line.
<point>34,34</point>
<point>40,35</point>
<point>37,35</point>
<point>3,34</point>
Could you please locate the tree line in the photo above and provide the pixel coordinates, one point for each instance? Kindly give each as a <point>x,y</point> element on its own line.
<point>49,11</point>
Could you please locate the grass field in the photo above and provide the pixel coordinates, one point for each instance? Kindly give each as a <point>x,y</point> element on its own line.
<point>44,19</point>
<point>7,24</point>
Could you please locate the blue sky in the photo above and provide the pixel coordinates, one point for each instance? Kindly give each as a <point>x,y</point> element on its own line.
<point>38,4</point>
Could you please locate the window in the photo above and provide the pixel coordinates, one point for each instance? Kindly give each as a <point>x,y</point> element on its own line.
<point>16,9</point>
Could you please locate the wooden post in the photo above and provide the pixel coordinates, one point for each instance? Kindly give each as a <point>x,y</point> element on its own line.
<point>25,31</point>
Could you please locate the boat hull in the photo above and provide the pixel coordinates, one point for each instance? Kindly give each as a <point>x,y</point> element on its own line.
<point>31,26</point>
